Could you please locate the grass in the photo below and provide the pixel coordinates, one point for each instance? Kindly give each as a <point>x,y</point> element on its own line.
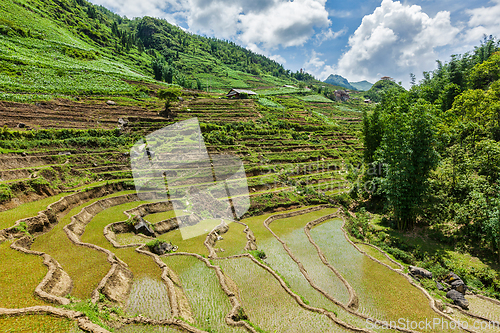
<point>208,301</point>
<point>85,266</point>
<point>9,217</point>
<point>155,218</point>
<point>38,324</point>
<point>377,255</point>
<point>233,242</point>
<point>315,99</point>
<point>21,274</point>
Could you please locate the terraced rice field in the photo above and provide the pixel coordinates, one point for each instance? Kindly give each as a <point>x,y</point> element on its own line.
<point>292,290</point>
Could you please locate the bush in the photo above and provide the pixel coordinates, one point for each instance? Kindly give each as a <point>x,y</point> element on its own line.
<point>258,254</point>
<point>5,193</point>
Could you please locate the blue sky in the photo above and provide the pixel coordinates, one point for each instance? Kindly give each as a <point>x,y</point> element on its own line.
<point>360,40</point>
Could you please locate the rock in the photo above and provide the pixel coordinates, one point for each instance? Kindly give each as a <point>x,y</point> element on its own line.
<point>458,299</point>
<point>143,227</point>
<point>440,304</point>
<point>439,286</point>
<point>21,125</point>
<point>122,122</point>
<point>111,103</point>
<point>417,271</point>
<point>65,153</point>
<point>163,248</point>
<point>456,283</point>
<point>23,154</point>
<point>181,99</point>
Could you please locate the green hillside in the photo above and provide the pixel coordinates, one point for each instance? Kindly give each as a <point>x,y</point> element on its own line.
<point>338,80</point>
<point>69,47</point>
<point>379,88</point>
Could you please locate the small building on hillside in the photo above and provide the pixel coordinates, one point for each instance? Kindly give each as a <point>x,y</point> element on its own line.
<point>341,95</point>
<point>387,78</point>
<point>239,93</point>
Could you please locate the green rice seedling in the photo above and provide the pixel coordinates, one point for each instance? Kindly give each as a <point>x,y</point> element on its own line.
<point>85,266</point>
<point>39,324</point>
<point>383,294</point>
<point>146,329</point>
<point>377,255</point>
<point>21,273</point>
<point>208,301</point>
<point>149,298</point>
<point>268,305</point>
<point>305,252</point>
<point>139,264</point>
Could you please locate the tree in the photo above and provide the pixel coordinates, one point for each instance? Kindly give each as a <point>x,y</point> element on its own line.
<point>492,224</point>
<point>170,95</point>
<point>409,156</point>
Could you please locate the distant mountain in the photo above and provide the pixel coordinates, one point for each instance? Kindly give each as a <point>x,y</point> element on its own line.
<point>338,80</point>
<point>362,85</point>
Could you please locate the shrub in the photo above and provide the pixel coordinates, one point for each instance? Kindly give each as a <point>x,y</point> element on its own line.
<point>5,193</point>
<point>258,254</point>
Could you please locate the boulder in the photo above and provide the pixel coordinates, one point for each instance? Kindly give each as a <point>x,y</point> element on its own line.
<point>21,125</point>
<point>65,153</point>
<point>456,283</point>
<point>143,227</point>
<point>163,248</point>
<point>439,286</point>
<point>111,103</point>
<point>417,271</point>
<point>458,299</point>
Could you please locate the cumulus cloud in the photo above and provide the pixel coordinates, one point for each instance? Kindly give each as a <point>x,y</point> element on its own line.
<point>317,67</point>
<point>267,23</point>
<point>395,40</point>
<point>276,57</point>
<point>483,21</point>
<point>172,10</point>
<point>286,23</point>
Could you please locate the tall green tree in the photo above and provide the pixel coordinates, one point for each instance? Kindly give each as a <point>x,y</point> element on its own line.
<point>407,149</point>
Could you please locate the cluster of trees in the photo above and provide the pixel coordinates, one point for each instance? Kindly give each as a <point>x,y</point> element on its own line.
<point>439,145</point>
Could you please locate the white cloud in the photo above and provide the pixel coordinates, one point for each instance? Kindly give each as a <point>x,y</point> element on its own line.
<point>483,21</point>
<point>267,23</point>
<point>329,34</point>
<point>318,67</point>
<point>276,57</point>
<point>286,23</point>
<point>395,40</point>
<point>168,9</point>
<point>340,13</point>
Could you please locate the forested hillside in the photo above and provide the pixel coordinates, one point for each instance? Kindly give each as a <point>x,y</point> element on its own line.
<point>71,47</point>
<point>432,156</point>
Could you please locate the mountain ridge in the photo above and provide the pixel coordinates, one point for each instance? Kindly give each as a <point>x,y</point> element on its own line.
<point>339,80</point>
